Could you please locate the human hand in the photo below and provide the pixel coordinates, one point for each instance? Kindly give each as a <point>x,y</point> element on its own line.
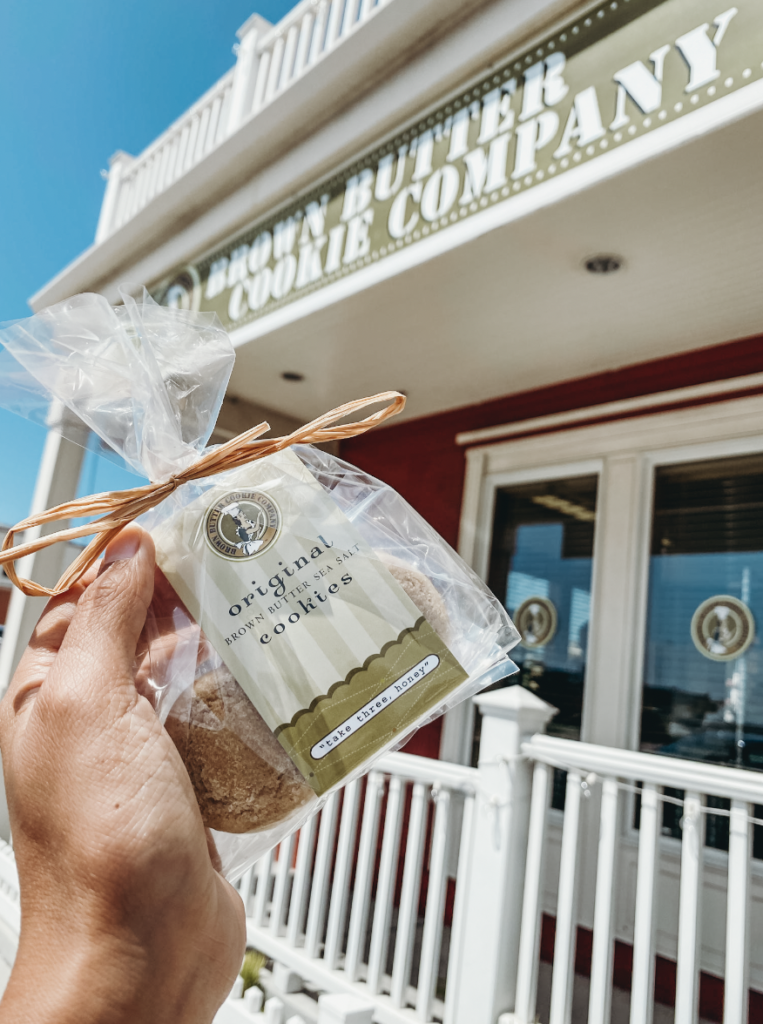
<point>124,917</point>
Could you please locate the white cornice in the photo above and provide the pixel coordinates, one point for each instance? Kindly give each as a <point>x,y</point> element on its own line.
<point>716,391</point>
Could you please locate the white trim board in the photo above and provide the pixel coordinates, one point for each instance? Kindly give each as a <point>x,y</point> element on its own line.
<point>714,391</point>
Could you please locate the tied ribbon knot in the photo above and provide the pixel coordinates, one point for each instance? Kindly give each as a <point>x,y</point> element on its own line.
<point>118,508</point>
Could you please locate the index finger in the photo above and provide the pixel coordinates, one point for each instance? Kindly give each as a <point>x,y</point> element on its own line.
<point>46,641</point>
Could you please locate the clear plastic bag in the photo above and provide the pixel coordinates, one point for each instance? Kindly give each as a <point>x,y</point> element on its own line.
<point>305,618</point>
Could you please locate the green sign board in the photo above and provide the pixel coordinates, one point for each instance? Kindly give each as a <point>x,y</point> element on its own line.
<point>621,71</point>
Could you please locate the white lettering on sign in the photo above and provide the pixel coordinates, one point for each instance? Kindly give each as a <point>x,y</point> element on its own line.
<point>699,51</point>
<point>584,123</point>
<point>472,152</point>
<point>374,707</point>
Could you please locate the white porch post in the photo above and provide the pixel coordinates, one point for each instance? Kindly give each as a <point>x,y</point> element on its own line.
<point>117,164</point>
<point>484,972</point>
<point>57,480</point>
<point>245,73</point>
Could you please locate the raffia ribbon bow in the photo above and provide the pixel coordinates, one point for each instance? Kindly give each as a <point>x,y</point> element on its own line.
<point>118,508</point>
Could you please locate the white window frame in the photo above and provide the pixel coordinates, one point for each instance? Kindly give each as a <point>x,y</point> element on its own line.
<point>624,451</point>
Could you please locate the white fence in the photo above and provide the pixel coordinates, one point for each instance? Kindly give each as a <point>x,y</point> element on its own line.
<point>508,892</point>
<point>270,58</point>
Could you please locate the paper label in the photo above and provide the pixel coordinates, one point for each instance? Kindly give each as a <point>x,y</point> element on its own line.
<point>322,639</point>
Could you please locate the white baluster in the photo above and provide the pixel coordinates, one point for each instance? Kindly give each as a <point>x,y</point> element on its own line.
<point>214,118</point>
<point>298,907</point>
<point>320,890</point>
<point>566,909</point>
<point>350,15</point>
<point>465,868</point>
<point>385,889</point>
<point>409,899</point>
<point>245,886</point>
<point>222,124</point>
<point>281,890</point>
<point>645,923</point>
<point>201,139</point>
<point>332,32</point>
<point>529,943</point>
<point>737,915</point>
<point>345,859</point>
<point>180,162</point>
<point>364,876</point>
<point>365,8</point>
<point>263,888</point>
<point>305,35</point>
<point>152,169</point>
<point>276,59</point>
<point>190,153</point>
<point>141,187</point>
<point>433,919</point>
<point>600,1001</point>
<point>319,32</point>
<point>287,64</point>
<point>260,85</point>
<point>164,164</point>
<point>173,147</point>
<point>687,967</point>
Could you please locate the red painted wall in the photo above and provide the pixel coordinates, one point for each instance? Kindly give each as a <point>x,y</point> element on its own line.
<point>421,460</point>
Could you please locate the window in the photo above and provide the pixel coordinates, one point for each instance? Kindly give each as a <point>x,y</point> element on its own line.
<point>540,567</point>
<point>703,670</point>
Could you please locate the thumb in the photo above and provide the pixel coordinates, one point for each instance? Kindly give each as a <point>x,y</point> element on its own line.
<point>102,637</point>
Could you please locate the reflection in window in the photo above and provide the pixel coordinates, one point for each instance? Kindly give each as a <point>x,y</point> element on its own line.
<point>541,568</point>
<point>703,671</point>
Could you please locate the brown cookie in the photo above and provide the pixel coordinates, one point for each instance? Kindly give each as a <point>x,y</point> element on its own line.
<point>243,778</point>
<point>422,592</point>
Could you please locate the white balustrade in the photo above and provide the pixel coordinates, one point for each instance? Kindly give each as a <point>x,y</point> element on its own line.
<point>424,856</point>
<point>270,58</point>
<point>615,779</point>
<point>352,914</point>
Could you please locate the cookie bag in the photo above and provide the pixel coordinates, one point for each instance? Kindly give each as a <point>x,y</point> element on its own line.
<point>334,622</point>
<point>305,618</point>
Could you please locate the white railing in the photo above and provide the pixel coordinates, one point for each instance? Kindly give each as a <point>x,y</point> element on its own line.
<point>421,890</point>
<point>270,58</point>
<point>133,183</point>
<point>356,901</point>
<point>671,901</point>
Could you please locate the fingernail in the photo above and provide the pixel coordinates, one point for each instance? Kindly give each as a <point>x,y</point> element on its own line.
<point>124,545</point>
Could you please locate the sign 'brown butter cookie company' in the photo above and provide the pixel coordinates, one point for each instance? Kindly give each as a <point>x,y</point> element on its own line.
<point>623,70</point>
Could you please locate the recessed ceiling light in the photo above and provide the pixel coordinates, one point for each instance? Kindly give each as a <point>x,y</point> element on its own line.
<point>291,375</point>
<point>603,264</point>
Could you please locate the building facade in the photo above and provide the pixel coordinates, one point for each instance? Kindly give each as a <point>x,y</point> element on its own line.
<point>540,221</point>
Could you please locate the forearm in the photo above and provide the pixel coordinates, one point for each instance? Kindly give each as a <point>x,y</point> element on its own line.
<point>102,981</point>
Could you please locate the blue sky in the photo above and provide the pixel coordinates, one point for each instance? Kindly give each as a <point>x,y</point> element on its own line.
<point>79,80</point>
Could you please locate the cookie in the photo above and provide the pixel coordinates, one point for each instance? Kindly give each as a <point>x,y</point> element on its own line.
<point>243,778</point>
<point>422,592</point>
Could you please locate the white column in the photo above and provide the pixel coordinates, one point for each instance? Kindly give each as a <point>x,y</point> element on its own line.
<point>57,480</point>
<point>612,704</point>
<point>245,72</point>
<point>117,165</point>
<point>486,972</point>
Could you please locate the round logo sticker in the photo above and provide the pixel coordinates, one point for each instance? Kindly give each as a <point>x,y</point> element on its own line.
<point>536,620</point>
<point>243,524</point>
<point>722,628</point>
